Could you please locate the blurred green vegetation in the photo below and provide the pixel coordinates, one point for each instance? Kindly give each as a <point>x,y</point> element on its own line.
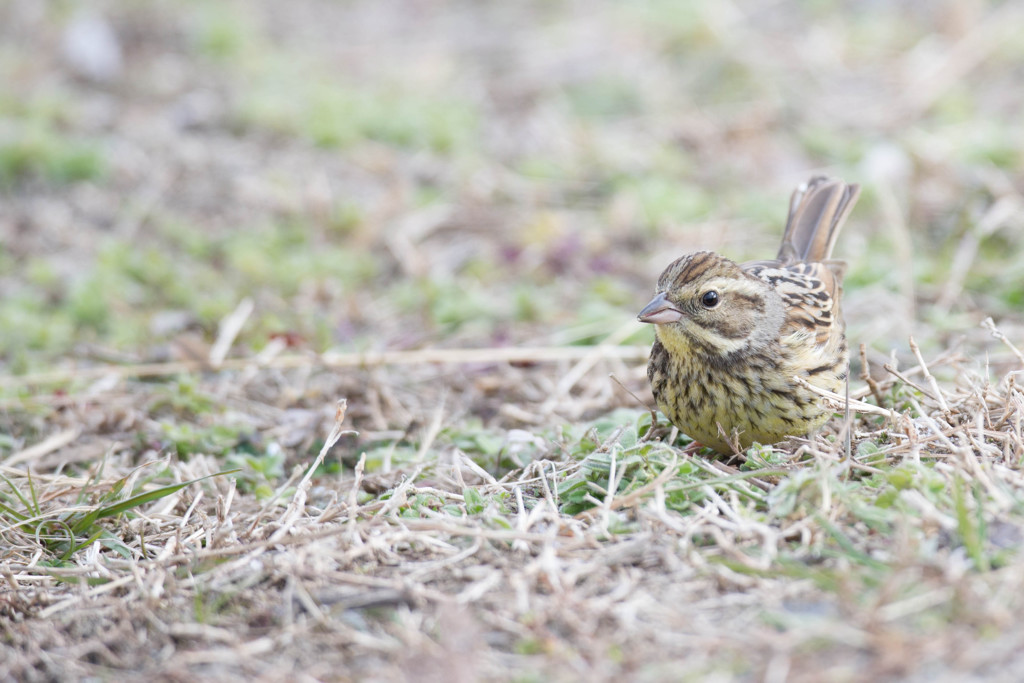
<point>572,184</point>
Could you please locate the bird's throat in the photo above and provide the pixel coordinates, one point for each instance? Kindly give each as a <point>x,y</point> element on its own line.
<point>696,341</point>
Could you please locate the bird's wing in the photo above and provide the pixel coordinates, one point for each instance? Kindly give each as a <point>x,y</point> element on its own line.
<point>810,292</point>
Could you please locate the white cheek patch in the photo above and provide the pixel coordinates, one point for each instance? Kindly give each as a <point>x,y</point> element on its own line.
<point>677,341</point>
<point>721,344</point>
<point>733,286</point>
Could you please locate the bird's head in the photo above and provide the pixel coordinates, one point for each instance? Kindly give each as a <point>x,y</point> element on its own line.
<point>708,305</point>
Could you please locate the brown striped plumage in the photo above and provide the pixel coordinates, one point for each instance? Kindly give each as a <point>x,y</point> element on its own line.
<point>731,338</point>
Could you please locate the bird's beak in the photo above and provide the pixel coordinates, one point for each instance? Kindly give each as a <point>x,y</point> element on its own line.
<point>660,311</point>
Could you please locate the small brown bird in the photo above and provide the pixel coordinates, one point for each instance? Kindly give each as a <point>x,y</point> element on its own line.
<point>731,338</point>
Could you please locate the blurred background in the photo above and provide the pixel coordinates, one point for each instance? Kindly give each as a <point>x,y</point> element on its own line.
<point>402,175</point>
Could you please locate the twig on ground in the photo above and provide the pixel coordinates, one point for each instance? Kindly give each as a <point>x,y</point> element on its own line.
<point>990,325</point>
<point>228,330</point>
<point>503,354</point>
<point>52,443</point>
<point>936,391</point>
<point>298,502</point>
<point>858,406</point>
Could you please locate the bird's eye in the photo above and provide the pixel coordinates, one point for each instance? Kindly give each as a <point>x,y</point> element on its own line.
<point>709,299</point>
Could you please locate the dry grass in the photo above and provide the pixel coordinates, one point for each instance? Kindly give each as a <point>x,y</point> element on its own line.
<point>448,215</point>
<point>439,570</point>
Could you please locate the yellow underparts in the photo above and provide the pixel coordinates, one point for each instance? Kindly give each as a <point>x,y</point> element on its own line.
<point>749,405</point>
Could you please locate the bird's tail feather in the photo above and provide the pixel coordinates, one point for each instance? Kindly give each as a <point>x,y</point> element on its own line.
<point>817,211</point>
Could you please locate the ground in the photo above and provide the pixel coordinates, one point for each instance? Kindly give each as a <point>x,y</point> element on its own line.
<point>319,354</point>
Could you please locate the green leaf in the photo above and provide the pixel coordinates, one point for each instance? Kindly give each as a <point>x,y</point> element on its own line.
<point>475,503</point>
<point>28,506</point>
<point>972,532</point>
<point>137,500</point>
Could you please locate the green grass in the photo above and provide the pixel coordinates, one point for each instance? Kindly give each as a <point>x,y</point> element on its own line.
<point>43,154</point>
<point>64,531</point>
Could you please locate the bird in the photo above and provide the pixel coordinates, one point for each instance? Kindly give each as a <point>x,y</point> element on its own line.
<point>731,339</point>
